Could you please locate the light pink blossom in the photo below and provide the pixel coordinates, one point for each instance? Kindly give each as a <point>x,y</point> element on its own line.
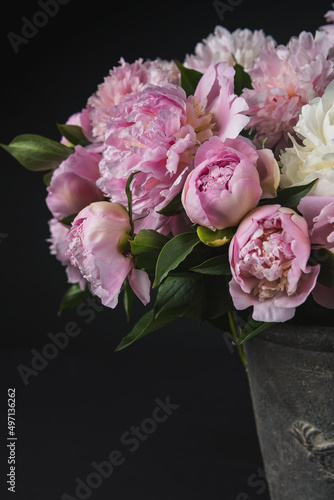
<point>58,247</point>
<point>96,247</point>
<point>224,46</point>
<point>269,256</point>
<point>215,93</point>
<point>226,182</point>
<point>123,80</point>
<point>73,184</point>
<point>156,132</point>
<point>284,78</point>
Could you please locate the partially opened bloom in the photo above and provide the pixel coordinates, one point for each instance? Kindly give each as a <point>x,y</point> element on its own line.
<point>224,46</point>
<point>58,247</point>
<point>156,132</point>
<point>269,256</point>
<point>313,156</point>
<point>284,78</point>
<point>73,184</point>
<point>226,182</point>
<point>97,247</point>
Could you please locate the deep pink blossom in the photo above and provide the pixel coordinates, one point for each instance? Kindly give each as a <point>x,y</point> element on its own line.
<point>269,256</point>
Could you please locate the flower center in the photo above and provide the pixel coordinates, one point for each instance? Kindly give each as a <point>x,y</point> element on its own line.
<point>216,178</point>
<point>200,121</point>
<point>267,257</point>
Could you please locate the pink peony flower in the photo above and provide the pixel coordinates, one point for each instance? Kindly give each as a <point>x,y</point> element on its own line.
<point>215,93</point>
<point>123,80</point>
<point>156,132</point>
<point>284,78</point>
<point>268,257</point>
<point>226,182</point>
<point>319,214</point>
<point>222,45</point>
<point>73,184</point>
<point>58,247</point>
<point>97,246</point>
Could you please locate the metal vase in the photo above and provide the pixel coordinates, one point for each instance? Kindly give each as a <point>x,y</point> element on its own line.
<point>290,371</point>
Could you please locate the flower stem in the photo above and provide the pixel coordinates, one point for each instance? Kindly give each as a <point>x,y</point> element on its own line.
<point>235,335</point>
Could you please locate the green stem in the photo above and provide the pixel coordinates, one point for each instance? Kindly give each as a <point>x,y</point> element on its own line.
<point>235,335</point>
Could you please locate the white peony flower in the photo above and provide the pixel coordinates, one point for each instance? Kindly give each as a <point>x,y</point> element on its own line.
<point>314,157</point>
<point>219,46</point>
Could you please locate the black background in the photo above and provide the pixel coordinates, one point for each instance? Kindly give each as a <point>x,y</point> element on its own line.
<point>75,410</point>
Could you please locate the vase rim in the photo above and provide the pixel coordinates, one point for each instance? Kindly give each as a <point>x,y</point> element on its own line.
<point>306,337</point>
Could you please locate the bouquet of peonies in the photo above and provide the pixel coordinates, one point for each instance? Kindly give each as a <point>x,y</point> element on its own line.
<point>205,187</point>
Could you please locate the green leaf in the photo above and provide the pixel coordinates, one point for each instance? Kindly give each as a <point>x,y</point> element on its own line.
<point>189,78</point>
<point>218,266</point>
<point>251,329</point>
<point>146,247</point>
<point>325,258</point>
<point>214,238</point>
<point>175,207</point>
<point>47,177</point>
<point>173,253</point>
<point>37,153</point>
<point>73,297</point>
<point>67,221</point>
<point>180,296</point>
<point>147,324</point>
<point>242,80</point>
<point>74,134</point>
<point>291,196</point>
